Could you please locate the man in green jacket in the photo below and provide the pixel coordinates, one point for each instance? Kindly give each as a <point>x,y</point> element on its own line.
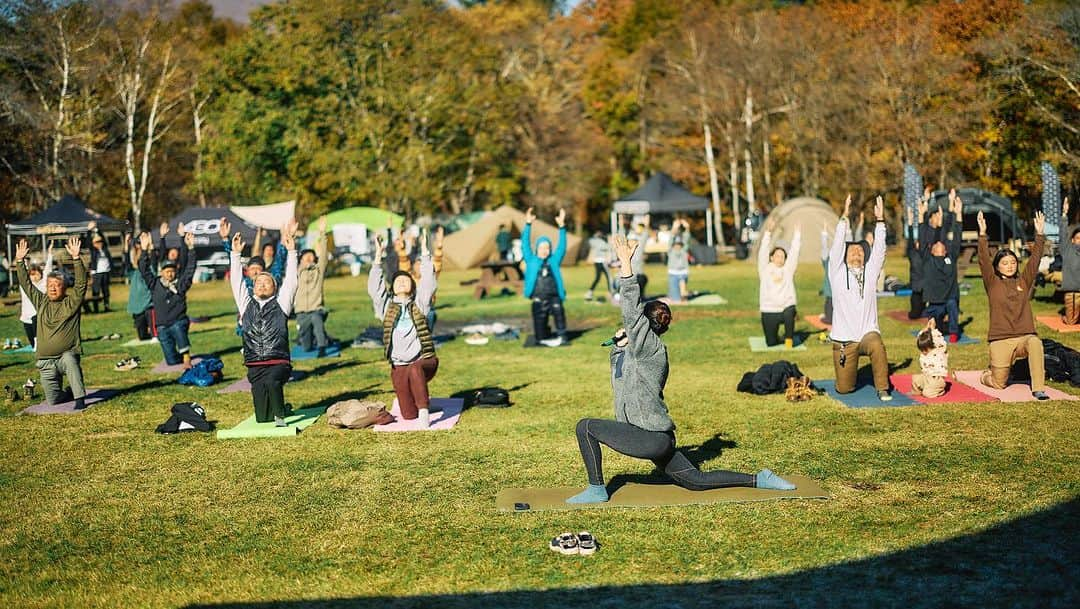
<point>59,322</point>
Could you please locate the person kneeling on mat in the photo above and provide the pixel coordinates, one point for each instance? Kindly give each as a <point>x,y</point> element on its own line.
<point>264,315</point>
<point>854,268</point>
<point>642,427</point>
<point>409,346</point>
<point>543,280</point>
<point>59,325</point>
<point>168,292</point>
<point>776,292</point>
<point>310,313</point>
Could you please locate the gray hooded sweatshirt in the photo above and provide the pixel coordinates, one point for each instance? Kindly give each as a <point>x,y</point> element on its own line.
<point>639,370</point>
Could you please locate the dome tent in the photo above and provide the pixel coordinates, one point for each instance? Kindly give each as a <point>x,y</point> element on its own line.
<point>811,215</point>
<point>475,245</point>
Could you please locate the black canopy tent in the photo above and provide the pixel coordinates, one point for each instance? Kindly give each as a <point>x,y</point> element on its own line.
<point>68,216</point>
<point>1002,224</point>
<point>205,224</point>
<point>662,195</point>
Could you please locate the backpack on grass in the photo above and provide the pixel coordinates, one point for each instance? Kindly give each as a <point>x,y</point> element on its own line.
<point>358,414</point>
<point>186,416</point>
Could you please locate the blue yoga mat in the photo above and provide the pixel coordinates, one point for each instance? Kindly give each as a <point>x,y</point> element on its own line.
<point>332,350</point>
<point>864,396</point>
<point>963,340</point>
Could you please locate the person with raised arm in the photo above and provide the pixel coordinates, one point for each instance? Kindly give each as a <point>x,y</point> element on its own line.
<point>543,280</point>
<point>916,257</point>
<point>168,292</point>
<point>776,287</point>
<point>1070,267</point>
<point>59,325</point>
<point>643,428</point>
<point>854,268</point>
<point>310,312</point>
<point>139,297</point>
<point>1012,328</point>
<point>409,348</point>
<point>264,312</point>
<point>940,255</point>
<point>37,279</point>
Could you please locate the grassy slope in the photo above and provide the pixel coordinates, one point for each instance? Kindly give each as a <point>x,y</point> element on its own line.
<point>98,511</point>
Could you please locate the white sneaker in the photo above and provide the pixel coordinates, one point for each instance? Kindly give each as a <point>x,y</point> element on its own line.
<point>589,295</point>
<point>586,543</point>
<point>424,417</point>
<point>552,342</point>
<point>564,544</point>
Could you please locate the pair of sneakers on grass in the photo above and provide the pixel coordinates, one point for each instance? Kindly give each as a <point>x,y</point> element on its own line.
<point>568,543</point>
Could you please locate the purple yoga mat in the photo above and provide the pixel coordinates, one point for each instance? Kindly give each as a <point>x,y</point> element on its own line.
<point>163,368</point>
<point>447,416</point>
<point>243,385</point>
<point>93,396</point>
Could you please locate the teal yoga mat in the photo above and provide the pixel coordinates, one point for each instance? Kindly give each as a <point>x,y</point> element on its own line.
<point>757,343</point>
<point>297,422</point>
<point>864,396</point>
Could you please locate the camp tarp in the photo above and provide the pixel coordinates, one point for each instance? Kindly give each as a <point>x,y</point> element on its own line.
<point>475,245</point>
<point>371,217</point>
<point>69,215</point>
<point>808,213</point>
<point>662,195</point>
<point>204,223</point>
<point>1002,225</point>
<point>268,217</point>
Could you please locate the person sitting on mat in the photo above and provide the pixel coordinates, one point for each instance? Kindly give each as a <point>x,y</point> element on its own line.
<point>933,361</point>
<point>168,291</point>
<point>310,313</point>
<point>776,290</point>
<point>543,280</point>
<point>1070,268</point>
<point>407,340</point>
<point>139,298</point>
<point>939,275</point>
<point>854,267</point>
<point>27,312</point>
<point>59,325</point>
<point>642,427</point>
<point>1012,328</point>
<point>264,313</point>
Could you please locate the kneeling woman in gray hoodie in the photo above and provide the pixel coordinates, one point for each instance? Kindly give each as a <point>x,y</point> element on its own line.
<point>642,427</point>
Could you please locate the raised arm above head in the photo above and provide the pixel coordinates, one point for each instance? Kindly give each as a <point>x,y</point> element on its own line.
<point>241,296</point>
<point>839,244</point>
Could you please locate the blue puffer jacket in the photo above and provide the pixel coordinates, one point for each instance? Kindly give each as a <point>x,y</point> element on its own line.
<point>533,262</point>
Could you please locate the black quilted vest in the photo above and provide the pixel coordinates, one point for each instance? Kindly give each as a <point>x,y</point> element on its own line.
<point>266,332</point>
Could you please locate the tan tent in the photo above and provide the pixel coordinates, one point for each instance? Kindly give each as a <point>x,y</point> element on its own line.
<point>808,213</point>
<point>475,245</point>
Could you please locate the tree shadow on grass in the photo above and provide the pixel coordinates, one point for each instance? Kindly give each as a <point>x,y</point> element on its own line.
<point>866,372</point>
<point>329,367</point>
<point>1032,561</point>
<point>352,394</point>
<point>469,395</point>
<point>709,449</point>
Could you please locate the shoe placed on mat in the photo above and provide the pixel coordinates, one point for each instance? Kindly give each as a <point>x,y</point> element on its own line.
<point>280,422</point>
<point>884,395</point>
<point>7,344</point>
<point>17,344</point>
<point>586,543</point>
<point>552,342</point>
<point>476,339</point>
<point>1040,395</point>
<point>114,335</point>
<point>564,544</point>
<point>129,363</point>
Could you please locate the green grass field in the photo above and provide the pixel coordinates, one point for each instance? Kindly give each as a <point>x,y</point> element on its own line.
<point>932,506</point>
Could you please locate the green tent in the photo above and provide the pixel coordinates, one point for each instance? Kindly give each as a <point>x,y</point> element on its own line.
<point>371,217</point>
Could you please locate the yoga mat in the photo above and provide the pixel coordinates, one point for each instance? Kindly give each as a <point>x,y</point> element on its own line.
<point>955,392</point>
<point>93,396</point>
<point>22,349</point>
<point>633,494</point>
<point>164,368</point>
<point>963,340</point>
<point>244,385</point>
<point>757,344</point>
<point>332,350</point>
<point>446,416</point>
<point>901,316</point>
<point>1017,392</point>
<point>816,322</point>
<point>138,343</point>
<point>297,422</point>
<point>1054,323</point>
<point>864,396</point>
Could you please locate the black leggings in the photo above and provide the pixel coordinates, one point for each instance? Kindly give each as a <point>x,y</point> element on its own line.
<point>657,446</point>
<point>770,322</point>
<point>600,269</point>
<point>143,326</point>
<point>918,305</point>
<point>100,287</point>
<point>541,309</point>
<point>268,390</point>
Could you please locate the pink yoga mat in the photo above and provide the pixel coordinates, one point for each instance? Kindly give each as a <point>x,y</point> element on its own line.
<point>815,321</point>
<point>1019,392</point>
<point>93,396</point>
<point>1054,323</point>
<point>955,392</point>
<point>163,368</point>
<point>901,316</point>
<point>447,417</point>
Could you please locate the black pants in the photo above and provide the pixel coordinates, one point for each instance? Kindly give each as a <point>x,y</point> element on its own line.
<point>142,324</point>
<point>100,286</point>
<point>31,331</point>
<point>600,269</point>
<point>657,446</point>
<point>770,322</point>
<point>918,305</point>
<point>268,390</point>
<point>541,309</point>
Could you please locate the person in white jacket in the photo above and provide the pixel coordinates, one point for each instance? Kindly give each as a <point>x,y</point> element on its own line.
<point>28,314</point>
<point>854,268</point>
<point>776,294</point>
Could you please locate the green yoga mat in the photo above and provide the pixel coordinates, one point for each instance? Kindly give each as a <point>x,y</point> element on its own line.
<point>297,422</point>
<point>634,494</point>
<point>757,343</point>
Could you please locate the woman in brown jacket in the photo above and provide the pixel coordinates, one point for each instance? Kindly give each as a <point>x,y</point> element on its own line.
<point>1012,327</point>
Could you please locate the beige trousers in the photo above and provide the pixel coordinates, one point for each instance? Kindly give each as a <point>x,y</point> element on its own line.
<point>1005,351</point>
<point>928,386</point>
<point>847,372</point>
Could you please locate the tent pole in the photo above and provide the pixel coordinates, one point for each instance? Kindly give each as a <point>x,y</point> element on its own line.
<point>708,227</point>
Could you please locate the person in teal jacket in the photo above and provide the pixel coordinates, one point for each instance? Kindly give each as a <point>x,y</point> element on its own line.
<point>138,294</point>
<point>543,280</point>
